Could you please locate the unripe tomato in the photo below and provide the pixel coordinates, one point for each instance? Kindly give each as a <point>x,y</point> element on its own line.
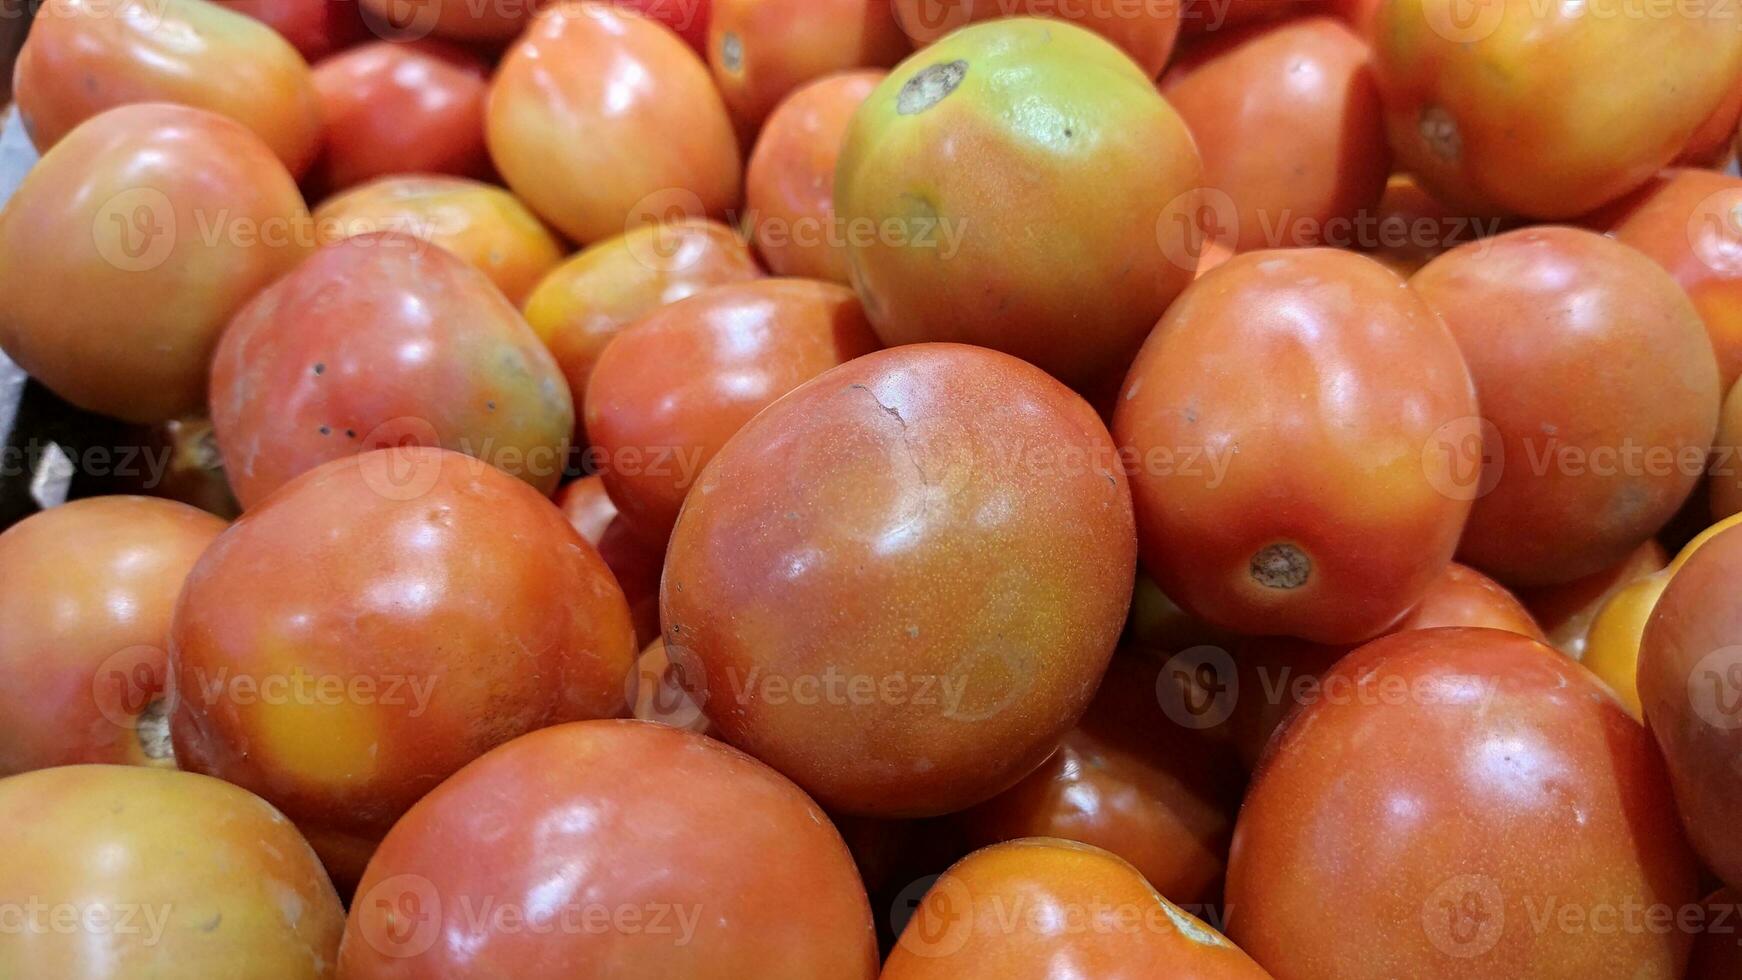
<point>1145,31</point>
<point>907,613</point>
<point>1279,487</point>
<point>1021,185</point>
<point>761,50</point>
<point>128,247</point>
<point>1550,110</point>
<point>585,83</point>
<point>85,56</point>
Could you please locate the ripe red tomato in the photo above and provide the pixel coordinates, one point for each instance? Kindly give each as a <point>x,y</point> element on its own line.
<point>689,18</point>
<point>634,562</point>
<point>491,22</point>
<point>1198,17</point>
<point>382,340</point>
<point>908,612</point>
<point>181,216</point>
<point>760,50</point>
<point>670,390</point>
<point>377,624</point>
<point>115,871</point>
<point>585,302</point>
<point>1279,488</point>
<point>1567,611</point>
<point>1134,779</point>
<point>1595,421</point>
<point>316,28</point>
<point>1046,907</point>
<point>1145,31</point>
<point>1546,111</point>
<point>790,182</point>
<point>480,223</point>
<point>1457,798</point>
<point>1690,685</point>
<point>585,83</point>
<point>1289,123</point>
<point>401,107</point>
<point>1021,185</point>
<point>612,849</point>
<point>1462,596</point>
<point>84,629</point>
<point>85,56</point>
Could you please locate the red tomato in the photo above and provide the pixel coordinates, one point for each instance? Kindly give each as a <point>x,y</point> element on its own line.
<point>1718,948</point>
<point>1595,422</point>
<point>1711,144</point>
<point>1690,685</point>
<point>689,18</point>
<point>487,21</point>
<point>1199,17</point>
<point>790,183</point>
<point>399,107</point>
<point>1465,597</point>
<point>634,562</point>
<point>1021,185</point>
<point>84,629</point>
<point>316,28</point>
<point>122,872</point>
<point>1054,908</point>
<point>1291,130</point>
<point>1546,110</point>
<point>1279,487</point>
<point>1455,800</point>
<point>907,613</point>
<point>85,56</point>
<point>589,299</point>
<point>379,623</point>
<point>670,390</point>
<point>613,849</point>
<point>1567,611</point>
<point>585,84</point>
<point>1146,31</point>
<point>183,214</point>
<point>376,341</point>
<point>760,50</point>
<point>480,223</point>
<point>1134,779</point>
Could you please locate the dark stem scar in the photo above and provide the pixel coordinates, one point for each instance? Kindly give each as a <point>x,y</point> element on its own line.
<point>929,87</point>
<point>1281,566</point>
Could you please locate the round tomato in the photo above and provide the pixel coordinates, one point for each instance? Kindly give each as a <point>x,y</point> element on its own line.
<point>760,50</point>
<point>1571,480</point>
<point>85,56</point>
<point>1279,488</point>
<point>1290,127</point>
<point>1146,31</point>
<point>382,340</point>
<point>377,624</point>
<point>790,182</point>
<point>115,871</point>
<point>481,223</point>
<point>670,390</point>
<point>1566,611</point>
<point>84,629</point>
<point>634,562</point>
<point>128,247</point>
<point>582,86</point>
<point>1452,789</point>
<point>1548,111</point>
<point>401,107</point>
<point>908,611</point>
<point>1020,185</point>
<point>613,849</point>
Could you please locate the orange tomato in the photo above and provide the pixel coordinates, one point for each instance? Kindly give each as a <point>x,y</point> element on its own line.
<point>1146,31</point>
<point>760,50</point>
<point>493,21</point>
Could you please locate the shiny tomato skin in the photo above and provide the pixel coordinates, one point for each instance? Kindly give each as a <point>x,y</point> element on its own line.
<point>902,546</point>
<point>1021,185</point>
<point>1463,781</point>
<point>461,20</point>
<point>1146,33</point>
<point>382,340</point>
<point>1279,488</point>
<point>401,107</point>
<point>585,83</point>
<point>171,874</point>
<point>1462,596</point>
<point>412,609</point>
<point>761,50</point>
<point>633,561</point>
<point>1545,111</point>
<point>1043,907</point>
<point>1567,611</point>
<point>614,816</point>
<point>85,56</point>
<point>1688,685</point>
<point>1596,421</point>
<point>669,392</point>
<point>1290,126</point>
<point>122,319</point>
<point>316,28</point>
<point>478,222</point>
<point>84,629</point>
<point>587,300</point>
<point>790,180</point>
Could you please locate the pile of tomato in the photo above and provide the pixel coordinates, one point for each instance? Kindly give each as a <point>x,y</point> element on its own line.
<point>829,489</point>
